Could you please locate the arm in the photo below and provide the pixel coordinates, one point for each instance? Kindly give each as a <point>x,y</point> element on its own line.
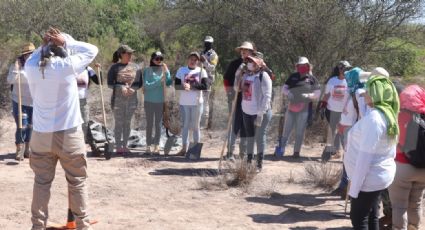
<point>361,169</point>
<point>12,76</point>
<point>149,81</point>
<point>266,88</point>
<point>204,84</point>
<point>212,63</point>
<point>138,81</point>
<point>178,85</point>
<point>168,80</point>
<point>92,75</point>
<point>84,54</point>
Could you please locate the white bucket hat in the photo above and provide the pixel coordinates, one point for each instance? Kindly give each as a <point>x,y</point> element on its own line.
<point>302,60</point>
<point>245,45</point>
<point>378,71</point>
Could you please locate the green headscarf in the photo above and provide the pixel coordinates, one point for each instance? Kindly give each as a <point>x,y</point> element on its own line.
<point>385,98</point>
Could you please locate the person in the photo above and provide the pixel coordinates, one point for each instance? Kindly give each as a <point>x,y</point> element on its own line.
<point>83,82</point>
<point>369,159</point>
<point>244,50</point>
<point>57,133</point>
<point>256,87</point>
<point>333,102</point>
<point>209,61</point>
<point>191,80</point>
<point>124,78</point>
<point>301,88</point>
<point>22,137</point>
<point>407,190</point>
<point>154,77</point>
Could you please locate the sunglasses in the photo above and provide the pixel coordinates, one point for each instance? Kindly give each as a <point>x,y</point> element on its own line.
<point>158,59</point>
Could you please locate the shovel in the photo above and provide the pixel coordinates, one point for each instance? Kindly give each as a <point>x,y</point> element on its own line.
<point>108,147</point>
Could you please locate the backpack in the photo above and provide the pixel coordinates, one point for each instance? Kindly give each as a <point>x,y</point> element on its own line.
<point>414,146</point>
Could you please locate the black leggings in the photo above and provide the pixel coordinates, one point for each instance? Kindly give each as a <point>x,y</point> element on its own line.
<point>364,211</point>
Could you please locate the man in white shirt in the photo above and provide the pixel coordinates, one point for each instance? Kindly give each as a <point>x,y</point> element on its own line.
<point>57,122</point>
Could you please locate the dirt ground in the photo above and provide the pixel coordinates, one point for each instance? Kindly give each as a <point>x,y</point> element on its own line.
<point>138,192</point>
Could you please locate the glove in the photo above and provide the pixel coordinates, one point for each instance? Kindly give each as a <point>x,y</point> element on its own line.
<point>290,96</point>
<point>258,120</point>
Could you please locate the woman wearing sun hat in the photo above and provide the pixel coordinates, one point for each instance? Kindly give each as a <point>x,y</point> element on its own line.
<point>17,71</point>
<point>154,77</point>
<point>371,148</point>
<point>256,88</point>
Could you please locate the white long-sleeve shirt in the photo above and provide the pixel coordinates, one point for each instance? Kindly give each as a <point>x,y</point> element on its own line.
<point>56,103</point>
<point>12,78</point>
<point>369,159</point>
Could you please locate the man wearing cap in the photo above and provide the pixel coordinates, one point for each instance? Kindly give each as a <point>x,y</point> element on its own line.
<point>18,75</point>
<point>57,131</point>
<point>209,60</point>
<point>244,50</point>
<point>301,88</point>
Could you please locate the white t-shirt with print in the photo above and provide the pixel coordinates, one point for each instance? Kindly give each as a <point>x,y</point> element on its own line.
<point>186,75</point>
<point>338,91</point>
<point>249,102</point>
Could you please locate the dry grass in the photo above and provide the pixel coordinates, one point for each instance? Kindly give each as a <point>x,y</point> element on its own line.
<point>323,175</point>
<point>290,179</point>
<point>238,175</point>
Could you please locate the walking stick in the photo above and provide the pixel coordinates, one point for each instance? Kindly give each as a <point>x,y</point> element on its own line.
<point>229,124</point>
<point>107,146</point>
<point>20,153</point>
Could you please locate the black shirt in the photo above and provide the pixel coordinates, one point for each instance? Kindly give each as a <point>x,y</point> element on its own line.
<point>298,85</point>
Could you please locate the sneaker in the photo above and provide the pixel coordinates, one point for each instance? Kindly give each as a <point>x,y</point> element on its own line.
<point>155,150</point>
<point>182,152</point>
<point>148,150</point>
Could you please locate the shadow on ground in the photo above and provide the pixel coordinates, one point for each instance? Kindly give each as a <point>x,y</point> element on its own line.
<point>201,172</point>
<point>296,209</point>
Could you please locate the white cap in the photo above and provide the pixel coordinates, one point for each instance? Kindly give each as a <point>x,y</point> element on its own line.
<point>302,60</point>
<point>209,39</point>
<point>378,71</point>
<point>364,76</point>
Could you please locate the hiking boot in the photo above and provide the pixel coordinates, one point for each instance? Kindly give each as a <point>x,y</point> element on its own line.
<point>27,150</point>
<point>148,150</point>
<point>385,222</point>
<point>182,151</point>
<point>249,159</point>
<point>20,148</point>
<point>336,155</point>
<point>156,150</point>
<point>259,161</point>
<point>230,157</point>
<point>296,155</point>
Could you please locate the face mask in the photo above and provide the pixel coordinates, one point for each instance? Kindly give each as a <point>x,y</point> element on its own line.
<point>251,66</point>
<point>303,69</point>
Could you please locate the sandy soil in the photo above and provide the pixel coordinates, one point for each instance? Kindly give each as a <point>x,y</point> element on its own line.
<point>137,192</point>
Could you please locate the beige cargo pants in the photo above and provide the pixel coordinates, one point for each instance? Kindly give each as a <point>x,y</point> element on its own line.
<point>69,148</point>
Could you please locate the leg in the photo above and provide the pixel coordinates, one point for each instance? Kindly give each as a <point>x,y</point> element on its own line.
<point>364,211</point>
<point>84,108</point>
<point>158,113</point>
<point>260,134</point>
<point>230,96</point>
<point>248,121</point>
<point>149,122</point>
<point>206,108</point>
<point>19,136</point>
<point>119,124</point>
<point>28,130</point>
<point>127,123</point>
<point>186,123</point>
<point>289,125</point>
<point>196,119</point>
<point>43,162</point>
<point>300,126</point>
<point>399,192</point>
<point>72,156</point>
<point>237,124</point>
<point>414,211</point>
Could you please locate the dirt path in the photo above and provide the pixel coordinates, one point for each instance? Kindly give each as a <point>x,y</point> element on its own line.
<point>135,192</point>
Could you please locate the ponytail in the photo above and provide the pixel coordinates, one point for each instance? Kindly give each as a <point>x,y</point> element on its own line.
<point>115,57</point>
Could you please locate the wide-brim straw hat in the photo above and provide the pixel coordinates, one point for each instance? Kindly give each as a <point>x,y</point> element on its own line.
<point>27,48</point>
<point>245,45</point>
<point>256,60</point>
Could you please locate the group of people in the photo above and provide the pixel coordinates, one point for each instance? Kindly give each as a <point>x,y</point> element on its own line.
<point>49,97</point>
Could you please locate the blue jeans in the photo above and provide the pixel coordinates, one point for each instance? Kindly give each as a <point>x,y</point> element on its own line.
<point>344,178</point>
<point>256,134</point>
<point>191,120</point>
<point>299,121</point>
<point>25,134</point>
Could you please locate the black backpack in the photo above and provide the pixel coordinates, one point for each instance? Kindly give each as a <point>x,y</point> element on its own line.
<point>414,144</point>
